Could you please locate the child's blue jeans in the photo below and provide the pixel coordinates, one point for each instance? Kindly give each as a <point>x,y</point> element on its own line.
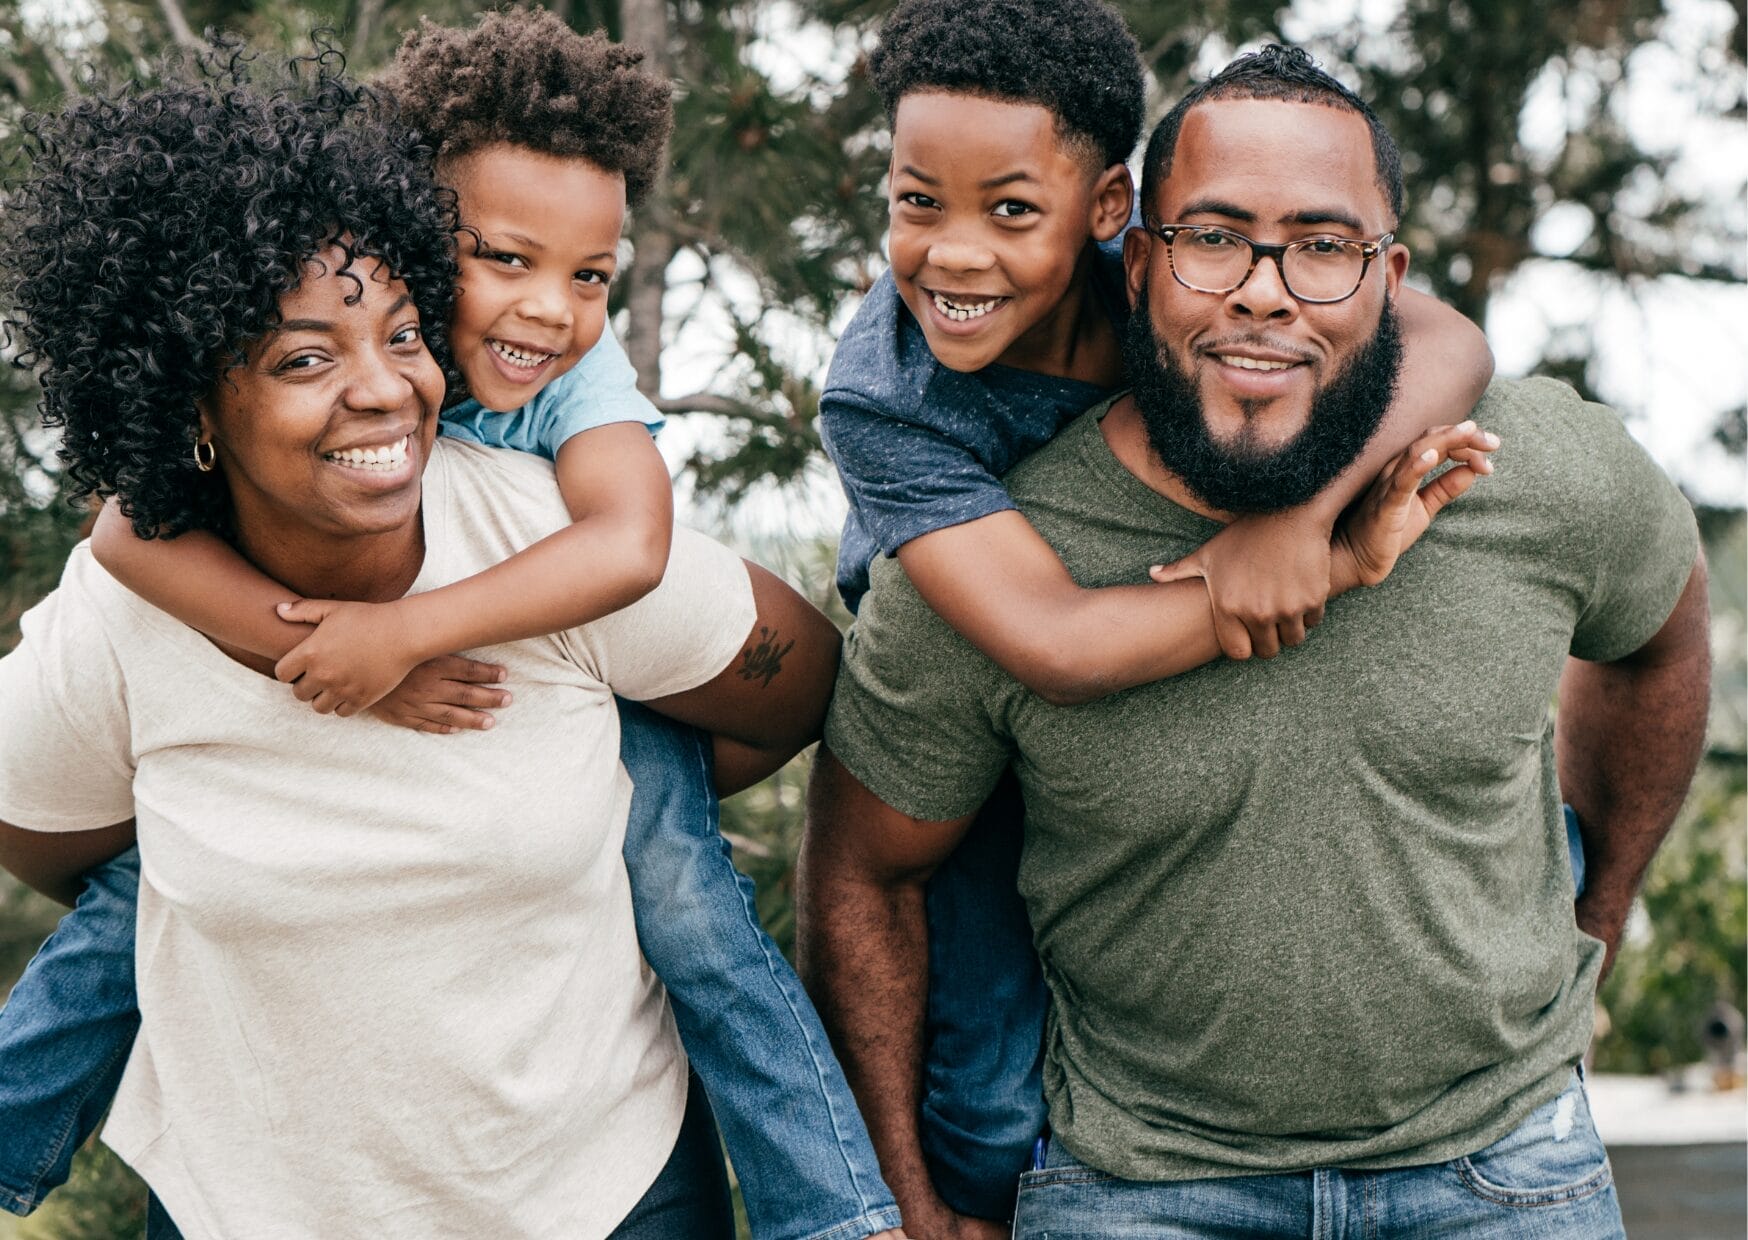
<point>806,1167</point>
<point>983,1088</point>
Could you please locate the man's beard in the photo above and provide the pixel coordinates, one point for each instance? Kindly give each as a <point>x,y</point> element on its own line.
<point>1344,415</point>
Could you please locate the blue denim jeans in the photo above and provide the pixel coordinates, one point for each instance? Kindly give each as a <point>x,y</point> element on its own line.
<point>1547,1179</point>
<point>983,1094</point>
<point>807,1169</point>
<point>800,1150</point>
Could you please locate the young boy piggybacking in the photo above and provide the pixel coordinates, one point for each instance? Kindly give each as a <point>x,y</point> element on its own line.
<point>996,325</point>
<point>546,136</point>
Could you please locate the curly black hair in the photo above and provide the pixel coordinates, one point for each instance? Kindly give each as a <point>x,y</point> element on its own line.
<point>1273,72</point>
<point>1074,57</point>
<point>155,231</point>
<point>526,78</point>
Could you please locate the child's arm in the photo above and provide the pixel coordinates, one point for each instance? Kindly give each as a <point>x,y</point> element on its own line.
<point>207,584</point>
<point>621,502</point>
<point>1267,576</point>
<point>998,583</point>
<point>201,580</point>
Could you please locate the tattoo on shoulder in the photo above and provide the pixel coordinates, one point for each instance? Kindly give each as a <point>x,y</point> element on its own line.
<point>764,658</point>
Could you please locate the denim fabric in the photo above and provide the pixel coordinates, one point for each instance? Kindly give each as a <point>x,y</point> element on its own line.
<point>983,1089</point>
<point>806,1166</point>
<point>65,1034</point>
<point>1548,1179</point>
<point>689,1199</point>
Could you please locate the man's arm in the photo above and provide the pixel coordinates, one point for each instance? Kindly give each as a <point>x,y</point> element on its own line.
<point>53,862</point>
<point>1628,737</point>
<point>862,952</point>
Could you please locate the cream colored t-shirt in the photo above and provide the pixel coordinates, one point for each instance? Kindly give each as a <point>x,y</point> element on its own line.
<point>389,982</point>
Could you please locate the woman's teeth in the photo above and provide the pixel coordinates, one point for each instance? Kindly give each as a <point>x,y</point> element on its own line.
<point>389,456</point>
<point>962,311</point>
<point>519,357</point>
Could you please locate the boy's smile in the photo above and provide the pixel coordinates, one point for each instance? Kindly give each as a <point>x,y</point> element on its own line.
<point>533,292</point>
<point>991,215</point>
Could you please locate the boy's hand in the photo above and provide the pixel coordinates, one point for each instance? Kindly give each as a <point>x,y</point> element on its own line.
<point>444,695</point>
<point>1267,577</point>
<point>358,653</point>
<point>1397,510</point>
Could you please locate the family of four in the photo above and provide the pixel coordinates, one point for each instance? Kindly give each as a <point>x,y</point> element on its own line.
<point>1111,923</point>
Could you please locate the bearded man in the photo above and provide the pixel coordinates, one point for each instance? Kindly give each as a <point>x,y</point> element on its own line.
<point>1308,927</point>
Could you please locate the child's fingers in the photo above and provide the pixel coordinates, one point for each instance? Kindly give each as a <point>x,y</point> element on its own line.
<point>460,718</point>
<point>1292,632</point>
<point>325,703</point>
<point>305,611</point>
<point>459,667</point>
<point>1446,487</point>
<point>475,697</point>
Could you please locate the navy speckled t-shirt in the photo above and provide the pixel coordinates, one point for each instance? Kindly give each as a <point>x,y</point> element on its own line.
<point>920,447</point>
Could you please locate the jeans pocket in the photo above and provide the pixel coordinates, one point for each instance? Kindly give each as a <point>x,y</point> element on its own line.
<point>1553,1157</point>
<point>1053,1176</point>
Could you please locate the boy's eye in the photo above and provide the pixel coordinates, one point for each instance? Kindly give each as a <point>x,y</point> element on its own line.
<point>507,260</point>
<point>1012,208</point>
<point>914,199</point>
<point>593,276</point>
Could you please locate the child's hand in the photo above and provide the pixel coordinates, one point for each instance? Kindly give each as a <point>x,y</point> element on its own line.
<point>445,695</point>
<point>1397,509</point>
<point>1268,578</point>
<point>358,653</point>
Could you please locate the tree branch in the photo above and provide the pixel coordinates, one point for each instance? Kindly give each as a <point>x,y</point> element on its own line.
<point>180,30</point>
<point>706,402</point>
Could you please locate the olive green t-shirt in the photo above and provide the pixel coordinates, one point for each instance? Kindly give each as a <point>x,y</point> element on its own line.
<point>1313,911</point>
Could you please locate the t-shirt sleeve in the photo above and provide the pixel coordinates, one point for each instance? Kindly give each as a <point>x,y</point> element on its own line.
<point>683,632</point>
<point>66,754</point>
<point>904,480</point>
<point>911,716</point>
<point>1643,539</point>
<point>599,390</point>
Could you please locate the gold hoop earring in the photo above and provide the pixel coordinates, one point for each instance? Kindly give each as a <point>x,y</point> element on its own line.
<point>204,461</point>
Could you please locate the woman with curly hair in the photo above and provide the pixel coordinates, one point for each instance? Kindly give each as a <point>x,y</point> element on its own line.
<point>366,1007</point>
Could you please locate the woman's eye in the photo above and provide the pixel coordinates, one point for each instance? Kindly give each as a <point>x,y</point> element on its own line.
<point>505,260</point>
<point>914,199</point>
<point>1012,209</point>
<point>407,335</point>
<point>302,361</point>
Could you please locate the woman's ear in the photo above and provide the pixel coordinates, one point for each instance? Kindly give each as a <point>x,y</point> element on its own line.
<point>1113,200</point>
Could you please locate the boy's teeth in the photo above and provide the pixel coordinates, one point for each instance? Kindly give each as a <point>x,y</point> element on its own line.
<point>1253,363</point>
<point>517,357</point>
<point>960,312</point>
<point>389,456</point>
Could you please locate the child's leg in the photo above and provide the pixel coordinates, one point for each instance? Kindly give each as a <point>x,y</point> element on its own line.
<point>65,1034</point>
<point>806,1166</point>
<point>983,1092</point>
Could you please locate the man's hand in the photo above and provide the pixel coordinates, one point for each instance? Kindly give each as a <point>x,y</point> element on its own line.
<point>936,1220</point>
<point>1267,578</point>
<point>444,695</point>
<point>1397,510</point>
<point>358,653</point>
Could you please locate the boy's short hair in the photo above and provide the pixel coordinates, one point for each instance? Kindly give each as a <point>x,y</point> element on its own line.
<point>1276,72</point>
<point>1074,57</point>
<point>526,78</point>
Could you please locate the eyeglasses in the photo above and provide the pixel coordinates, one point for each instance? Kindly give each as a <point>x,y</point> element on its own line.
<point>1318,270</point>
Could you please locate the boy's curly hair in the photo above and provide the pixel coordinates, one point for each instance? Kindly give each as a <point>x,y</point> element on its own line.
<point>156,229</point>
<point>1074,57</point>
<point>526,78</point>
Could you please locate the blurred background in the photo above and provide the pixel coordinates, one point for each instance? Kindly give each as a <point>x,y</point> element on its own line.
<point>1577,177</point>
